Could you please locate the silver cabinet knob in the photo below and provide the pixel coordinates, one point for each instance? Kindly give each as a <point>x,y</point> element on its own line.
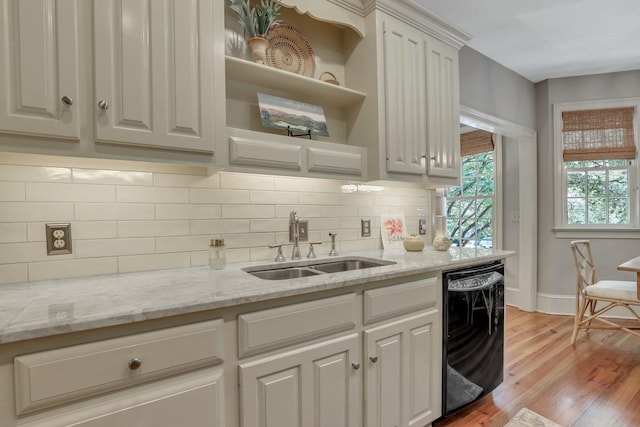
<point>67,100</point>
<point>373,359</point>
<point>356,365</point>
<point>135,363</point>
<point>103,105</point>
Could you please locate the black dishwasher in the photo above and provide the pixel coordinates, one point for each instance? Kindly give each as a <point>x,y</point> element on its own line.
<point>473,333</point>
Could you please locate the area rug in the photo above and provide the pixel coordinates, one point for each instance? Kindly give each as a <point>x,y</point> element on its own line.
<point>528,418</point>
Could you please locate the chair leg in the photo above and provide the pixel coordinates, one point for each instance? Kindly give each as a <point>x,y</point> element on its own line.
<point>578,319</point>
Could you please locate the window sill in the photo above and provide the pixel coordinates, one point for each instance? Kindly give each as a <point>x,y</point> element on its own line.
<point>597,233</point>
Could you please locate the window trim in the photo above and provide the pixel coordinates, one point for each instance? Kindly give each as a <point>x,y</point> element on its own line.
<point>562,229</point>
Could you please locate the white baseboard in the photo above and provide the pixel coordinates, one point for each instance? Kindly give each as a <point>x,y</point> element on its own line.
<point>557,304</point>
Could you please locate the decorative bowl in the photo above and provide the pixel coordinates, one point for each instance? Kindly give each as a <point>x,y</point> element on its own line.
<point>413,243</point>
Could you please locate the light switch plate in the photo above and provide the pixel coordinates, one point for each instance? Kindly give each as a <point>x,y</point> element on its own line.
<point>58,239</point>
<point>365,227</point>
<point>303,231</point>
<point>422,226</point>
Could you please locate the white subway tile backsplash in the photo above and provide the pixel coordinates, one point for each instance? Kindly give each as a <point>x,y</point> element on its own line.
<point>187,211</point>
<point>72,268</point>
<point>308,184</point>
<point>113,211</point>
<point>127,264</point>
<point>113,247</point>
<point>139,194</point>
<point>182,243</point>
<point>248,211</point>
<point>273,197</point>
<point>28,211</point>
<point>102,176</point>
<point>264,225</point>
<point>13,253</point>
<point>85,230</point>
<point>197,195</point>
<point>153,228</point>
<point>241,181</point>
<point>134,221</point>
<point>44,192</point>
<point>219,226</point>
<point>13,232</point>
<point>12,192</point>
<point>186,181</point>
<point>319,199</point>
<point>249,240</point>
<point>13,273</point>
<point>34,173</point>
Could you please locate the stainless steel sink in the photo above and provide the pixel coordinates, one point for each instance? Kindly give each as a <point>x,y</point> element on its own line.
<point>299,269</point>
<point>348,265</point>
<point>284,273</point>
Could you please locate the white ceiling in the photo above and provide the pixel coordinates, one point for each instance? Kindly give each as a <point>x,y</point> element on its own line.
<point>541,39</point>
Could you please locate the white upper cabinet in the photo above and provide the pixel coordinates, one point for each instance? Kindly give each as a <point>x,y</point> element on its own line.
<point>410,73</point>
<point>443,111</point>
<point>39,68</point>
<point>154,73</point>
<point>405,92</point>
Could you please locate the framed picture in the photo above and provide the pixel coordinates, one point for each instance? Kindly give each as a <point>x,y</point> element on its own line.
<point>292,116</point>
<point>393,230</point>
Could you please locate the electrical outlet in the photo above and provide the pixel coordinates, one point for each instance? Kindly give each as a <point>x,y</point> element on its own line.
<point>58,239</point>
<point>365,227</point>
<point>515,216</point>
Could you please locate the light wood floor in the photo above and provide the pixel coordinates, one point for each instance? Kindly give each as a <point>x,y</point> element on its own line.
<point>597,383</point>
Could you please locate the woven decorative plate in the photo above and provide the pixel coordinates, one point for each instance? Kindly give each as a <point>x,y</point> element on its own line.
<point>289,50</point>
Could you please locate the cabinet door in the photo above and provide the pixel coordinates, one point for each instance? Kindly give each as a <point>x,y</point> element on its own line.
<point>39,67</point>
<point>309,387</point>
<point>443,110</point>
<point>405,94</point>
<point>154,73</point>
<point>403,371</point>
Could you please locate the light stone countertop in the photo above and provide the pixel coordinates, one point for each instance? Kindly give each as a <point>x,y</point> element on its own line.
<point>40,309</point>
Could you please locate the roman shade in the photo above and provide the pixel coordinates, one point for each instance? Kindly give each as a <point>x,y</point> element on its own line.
<point>605,134</point>
<point>476,142</point>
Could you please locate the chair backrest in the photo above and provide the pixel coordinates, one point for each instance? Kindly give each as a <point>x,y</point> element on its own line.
<point>585,267</point>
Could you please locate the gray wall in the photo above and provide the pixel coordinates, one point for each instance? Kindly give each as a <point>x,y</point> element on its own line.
<point>555,266</point>
<point>489,87</point>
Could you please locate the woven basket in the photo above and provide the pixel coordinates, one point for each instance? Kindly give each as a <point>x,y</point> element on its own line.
<point>289,50</point>
<point>329,78</point>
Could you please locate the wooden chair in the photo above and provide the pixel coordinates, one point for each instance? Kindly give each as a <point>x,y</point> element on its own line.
<point>590,292</point>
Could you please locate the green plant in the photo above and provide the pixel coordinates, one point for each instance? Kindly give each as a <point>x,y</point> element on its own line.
<point>257,20</point>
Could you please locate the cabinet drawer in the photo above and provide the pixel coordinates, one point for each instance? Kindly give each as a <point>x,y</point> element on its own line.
<point>62,375</point>
<point>398,299</point>
<point>277,327</point>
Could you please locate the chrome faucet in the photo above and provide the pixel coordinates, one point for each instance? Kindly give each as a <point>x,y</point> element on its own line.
<point>333,251</point>
<point>294,224</point>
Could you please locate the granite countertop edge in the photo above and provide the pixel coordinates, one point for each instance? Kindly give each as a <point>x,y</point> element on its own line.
<point>46,308</point>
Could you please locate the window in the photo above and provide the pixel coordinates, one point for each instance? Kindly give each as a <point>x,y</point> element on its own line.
<point>470,206</point>
<point>596,167</point>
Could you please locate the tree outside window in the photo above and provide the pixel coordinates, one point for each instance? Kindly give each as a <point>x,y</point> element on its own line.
<point>470,205</point>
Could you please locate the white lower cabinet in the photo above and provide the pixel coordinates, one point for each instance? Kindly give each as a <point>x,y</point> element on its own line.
<point>313,386</point>
<point>403,371</point>
<point>193,400</point>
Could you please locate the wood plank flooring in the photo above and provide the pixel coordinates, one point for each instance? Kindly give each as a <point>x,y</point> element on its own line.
<point>595,384</point>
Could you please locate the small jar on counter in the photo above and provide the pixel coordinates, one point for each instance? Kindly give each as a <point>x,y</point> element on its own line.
<point>217,254</point>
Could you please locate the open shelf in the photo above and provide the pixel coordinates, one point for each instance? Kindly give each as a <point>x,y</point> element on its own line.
<point>316,91</point>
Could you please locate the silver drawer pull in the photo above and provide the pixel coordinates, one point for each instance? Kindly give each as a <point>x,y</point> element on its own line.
<point>356,365</point>
<point>103,105</point>
<point>67,100</point>
<point>373,359</point>
<point>135,363</point>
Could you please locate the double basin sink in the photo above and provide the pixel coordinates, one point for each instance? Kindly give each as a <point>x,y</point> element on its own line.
<point>314,267</point>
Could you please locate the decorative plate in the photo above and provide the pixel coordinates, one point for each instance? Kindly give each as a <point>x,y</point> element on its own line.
<point>289,50</point>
